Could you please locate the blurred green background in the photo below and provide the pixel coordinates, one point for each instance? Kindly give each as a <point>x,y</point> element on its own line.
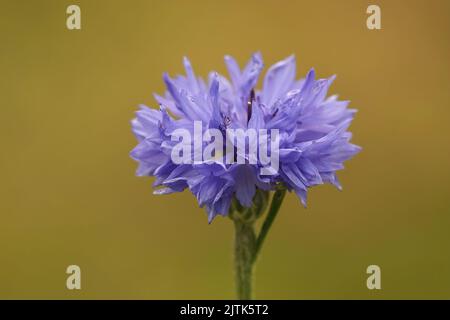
<point>68,193</point>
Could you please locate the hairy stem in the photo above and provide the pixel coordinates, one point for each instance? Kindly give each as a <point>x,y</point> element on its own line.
<point>245,241</point>
<point>246,244</point>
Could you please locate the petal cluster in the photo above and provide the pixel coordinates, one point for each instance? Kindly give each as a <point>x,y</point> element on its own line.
<point>313,130</point>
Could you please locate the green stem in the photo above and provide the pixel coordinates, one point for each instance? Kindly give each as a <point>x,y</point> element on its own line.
<point>244,249</point>
<point>246,245</point>
<point>277,199</point>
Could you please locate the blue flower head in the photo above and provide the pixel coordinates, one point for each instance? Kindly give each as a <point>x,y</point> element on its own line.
<point>313,141</point>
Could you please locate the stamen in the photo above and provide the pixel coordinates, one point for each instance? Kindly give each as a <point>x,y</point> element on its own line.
<point>275,113</point>
<point>226,121</point>
<point>249,104</point>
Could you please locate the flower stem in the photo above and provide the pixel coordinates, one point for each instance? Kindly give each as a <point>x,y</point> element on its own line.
<point>246,244</point>
<point>244,249</point>
<point>277,199</point>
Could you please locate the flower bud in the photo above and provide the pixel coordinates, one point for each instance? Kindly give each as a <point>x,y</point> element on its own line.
<point>250,215</point>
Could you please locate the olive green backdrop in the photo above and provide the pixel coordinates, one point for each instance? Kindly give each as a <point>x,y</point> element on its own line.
<point>68,193</point>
